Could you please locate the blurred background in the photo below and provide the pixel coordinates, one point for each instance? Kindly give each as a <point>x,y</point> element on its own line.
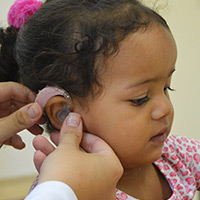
<point>16,167</point>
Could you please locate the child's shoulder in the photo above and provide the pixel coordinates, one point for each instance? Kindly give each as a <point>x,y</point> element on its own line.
<point>181,154</point>
<point>177,144</point>
<point>180,164</point>
<point>184,139</point>
<point>181,148</point>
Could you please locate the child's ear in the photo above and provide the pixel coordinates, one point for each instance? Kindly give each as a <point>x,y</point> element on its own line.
<point>57,108</point>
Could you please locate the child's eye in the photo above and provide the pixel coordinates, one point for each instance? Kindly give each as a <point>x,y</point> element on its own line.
<point>139,102</point>
<point>168,88</point>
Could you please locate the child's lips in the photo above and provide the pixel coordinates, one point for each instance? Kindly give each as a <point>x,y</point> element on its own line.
<point>161,136</point>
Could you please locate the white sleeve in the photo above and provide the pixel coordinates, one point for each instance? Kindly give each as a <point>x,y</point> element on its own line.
<point>52,190</point>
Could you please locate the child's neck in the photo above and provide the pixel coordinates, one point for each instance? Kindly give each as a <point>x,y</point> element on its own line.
<point>145,183</point>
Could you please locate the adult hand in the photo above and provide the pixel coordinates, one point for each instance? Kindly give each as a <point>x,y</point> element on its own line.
<point>15,116</point>
<point>92,174</point>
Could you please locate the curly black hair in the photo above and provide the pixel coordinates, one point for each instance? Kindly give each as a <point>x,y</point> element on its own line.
<point>62,43</point>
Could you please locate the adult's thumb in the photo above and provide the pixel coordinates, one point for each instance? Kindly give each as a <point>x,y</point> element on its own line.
<point>21,119</point>
<point>71,131</point>
<point>94,144</point>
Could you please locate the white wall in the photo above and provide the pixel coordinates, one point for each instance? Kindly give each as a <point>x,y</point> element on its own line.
<point>183,16</point>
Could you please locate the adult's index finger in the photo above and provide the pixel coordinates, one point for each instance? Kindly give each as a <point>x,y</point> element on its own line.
<point>15,91</point>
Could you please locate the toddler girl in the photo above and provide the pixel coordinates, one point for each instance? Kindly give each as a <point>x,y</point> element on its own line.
<point>115,59</point>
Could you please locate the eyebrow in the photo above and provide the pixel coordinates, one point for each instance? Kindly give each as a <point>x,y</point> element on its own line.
<point>147,81</point>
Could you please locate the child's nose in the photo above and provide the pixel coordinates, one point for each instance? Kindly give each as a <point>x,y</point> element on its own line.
<point>163,107</point>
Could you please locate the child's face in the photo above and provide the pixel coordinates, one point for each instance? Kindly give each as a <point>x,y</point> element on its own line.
<point>134,113</point>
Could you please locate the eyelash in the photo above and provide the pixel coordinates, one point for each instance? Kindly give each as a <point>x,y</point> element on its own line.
<point>169,88</point>
<point>141,101</point>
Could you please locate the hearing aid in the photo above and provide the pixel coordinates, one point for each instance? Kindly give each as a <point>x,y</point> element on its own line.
<point>62,114</point>
<point>47,93</point>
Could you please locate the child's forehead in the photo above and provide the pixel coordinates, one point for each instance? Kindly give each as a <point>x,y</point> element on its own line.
<point>152,33</point>
<point>143,51</point>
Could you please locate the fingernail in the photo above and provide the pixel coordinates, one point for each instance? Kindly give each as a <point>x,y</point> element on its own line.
<point>34,111</point>
<point>73,120</point>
